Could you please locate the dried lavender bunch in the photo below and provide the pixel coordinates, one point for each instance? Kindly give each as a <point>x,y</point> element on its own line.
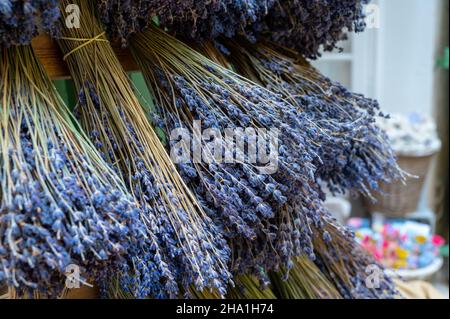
<point>352,286</point>
<point>268,218</point>
<point>187,244</point>
<point>354,153</point>
<point>124,18</point>
<point>354,271</point>
<point>198,20</point>
<point>308,26</point>
<point>305,281</point>
<point>21,20</point>
<point>207,20</point>
<point>249,287</point>
<point>60,203</point>
<point>244,287</point>
<point>338,255</point>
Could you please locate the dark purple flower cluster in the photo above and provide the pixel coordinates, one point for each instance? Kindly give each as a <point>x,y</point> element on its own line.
<point>199,20</point>
<point>308,26</point>
<point>207,20</point>
<point>343,121</point>
<point>60,204</point>
<point>353,153</point>
<point>124,18</point>
<point>21,20</point>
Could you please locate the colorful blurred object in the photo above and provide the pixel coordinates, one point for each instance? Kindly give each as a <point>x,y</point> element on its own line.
<point>399,244</point>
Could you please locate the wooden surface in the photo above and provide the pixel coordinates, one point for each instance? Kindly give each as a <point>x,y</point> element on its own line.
<point>418,290</point>
<point>83,293</point>
<point>51,57</point>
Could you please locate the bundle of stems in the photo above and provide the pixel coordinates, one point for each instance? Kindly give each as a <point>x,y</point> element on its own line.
<point>204,294</point>
<point>305,281</point>
<point>249,287</point>
<point>4,293</point>
<point>60,202</point>
<point>244,287</point>
<point>268,218</point>
<point>185,248</point>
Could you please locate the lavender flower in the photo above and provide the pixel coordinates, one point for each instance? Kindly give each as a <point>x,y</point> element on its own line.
<point>268,218</point>
<point>198,20</point>
<point>186,244</point>
<point>289,219</point>
<point>124,18</point>
<point>21,20</point>
<point>60,204</point>
<point>343,121</point>
<point>308,26</point>
<point>353,153</point>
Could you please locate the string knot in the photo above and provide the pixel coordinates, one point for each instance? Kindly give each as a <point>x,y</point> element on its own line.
<point>86,42</point>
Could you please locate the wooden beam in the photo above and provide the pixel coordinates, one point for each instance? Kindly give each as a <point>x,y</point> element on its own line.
<point>51,57</point>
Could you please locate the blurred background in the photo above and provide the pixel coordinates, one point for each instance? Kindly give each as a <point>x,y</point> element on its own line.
<point>402,61</point>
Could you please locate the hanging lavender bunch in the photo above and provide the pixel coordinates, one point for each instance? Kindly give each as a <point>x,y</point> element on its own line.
<point>124,18</point>
<point>355,273</point>
<point>180,104</point>
<point>60,203</point>
<point>267,217</point>
<point>207,20</point>
<point>298,224</point>
<point>248,287</point>
<point>187,243</point>
<point>349,265</point>
<point>354,154</point>
<point>336,252</point>
<point>21,20</point>
<point>196,20</point>
<point>308,26</point>
<point>305,281</point>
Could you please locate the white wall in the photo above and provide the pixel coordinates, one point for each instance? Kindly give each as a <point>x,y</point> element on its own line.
<point>395,62</point>
<point>405,58</point>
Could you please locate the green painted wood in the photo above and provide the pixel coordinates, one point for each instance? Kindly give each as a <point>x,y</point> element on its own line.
<point>146,99</point>
<point>66,90</point>
<point>142,91</point>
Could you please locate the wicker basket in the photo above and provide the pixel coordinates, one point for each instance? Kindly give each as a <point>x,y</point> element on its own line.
<point>397,199</point>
